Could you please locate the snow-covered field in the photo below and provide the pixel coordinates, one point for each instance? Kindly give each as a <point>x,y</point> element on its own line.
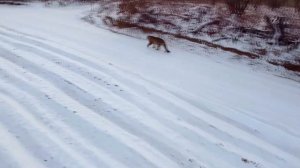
<point>74,95</point>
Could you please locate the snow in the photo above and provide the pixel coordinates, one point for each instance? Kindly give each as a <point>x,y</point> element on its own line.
<point>75,95</point>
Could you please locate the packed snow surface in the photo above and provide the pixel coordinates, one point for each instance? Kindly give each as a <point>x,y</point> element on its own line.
<point>74,95</point>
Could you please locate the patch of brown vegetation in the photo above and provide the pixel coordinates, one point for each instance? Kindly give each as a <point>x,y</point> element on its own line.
<point>17,3</point>
<point>287,65</point>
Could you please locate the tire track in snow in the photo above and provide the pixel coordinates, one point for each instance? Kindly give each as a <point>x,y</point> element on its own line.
<point>82,122</point>
<point>187,158</point>
<point>89,132</point>
<point>181,144</point>
<point>174,101</point>
<point>32,139</point>
<point>205,134</point>
<point>44,132</point>
<point>140,146</point>
<point>51,118</point>
<point>161,146</point>
<point>29,118</point>
<point>20,154</point>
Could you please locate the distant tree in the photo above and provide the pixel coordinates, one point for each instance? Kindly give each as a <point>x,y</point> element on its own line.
<point>237,7</point>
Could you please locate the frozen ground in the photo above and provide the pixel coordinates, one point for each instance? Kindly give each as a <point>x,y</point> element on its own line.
<point>74,95</point>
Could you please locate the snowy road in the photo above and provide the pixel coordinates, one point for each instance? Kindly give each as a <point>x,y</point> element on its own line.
<point>73,95</point>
